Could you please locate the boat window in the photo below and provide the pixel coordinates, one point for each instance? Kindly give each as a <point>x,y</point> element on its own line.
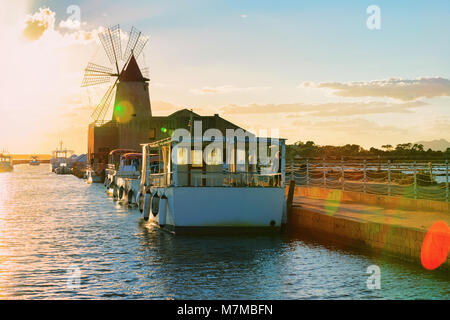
<point>182,155</point>
<point>197,158</point>
<point>240,160</point>
<point>214,157</point>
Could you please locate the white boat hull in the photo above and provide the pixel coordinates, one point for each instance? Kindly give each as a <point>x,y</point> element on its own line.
<point>193,208</point>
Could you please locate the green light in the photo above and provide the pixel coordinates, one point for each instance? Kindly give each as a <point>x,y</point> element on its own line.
<point>163,130</point>
<point>118,108</point>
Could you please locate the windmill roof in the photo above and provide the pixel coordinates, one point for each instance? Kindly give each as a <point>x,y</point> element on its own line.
<point>132,72</point>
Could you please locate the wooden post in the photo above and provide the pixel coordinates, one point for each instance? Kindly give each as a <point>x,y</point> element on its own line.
<point>446,181</point>
<point>290,199</point>
<point>324,174</point>
<point>292,170</point>
<point>307,172</point>
<point>415,181</point>
<point>342,173</point>
<point>365,176</point>
<point>389,177</point>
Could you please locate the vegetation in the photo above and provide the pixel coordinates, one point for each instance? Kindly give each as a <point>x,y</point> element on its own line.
<point>404,151</point>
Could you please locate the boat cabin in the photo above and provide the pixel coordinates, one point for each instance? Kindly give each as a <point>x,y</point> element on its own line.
<point>240,162</point>
<point>115,156</point>
<point>131,162</point>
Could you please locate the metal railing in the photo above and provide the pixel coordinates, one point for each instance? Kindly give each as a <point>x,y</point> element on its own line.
<point>199,178</point>
<point>417,180</point>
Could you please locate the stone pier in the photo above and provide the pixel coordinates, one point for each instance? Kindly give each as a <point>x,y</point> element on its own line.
<point>391,225</point>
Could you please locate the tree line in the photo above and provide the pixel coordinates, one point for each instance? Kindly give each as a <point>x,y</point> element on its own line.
<point>405,151</point>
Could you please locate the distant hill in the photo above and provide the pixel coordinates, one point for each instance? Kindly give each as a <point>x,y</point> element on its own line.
<point>435,145</point>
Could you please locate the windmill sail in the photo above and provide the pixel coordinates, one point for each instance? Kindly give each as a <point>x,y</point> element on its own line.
<point>135,45</point>
<point>96,74</point>
<point>146,72</point>
<point>102,108</point>
<point>112,44</point>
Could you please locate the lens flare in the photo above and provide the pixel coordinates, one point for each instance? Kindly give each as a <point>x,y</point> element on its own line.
<point>123,111</point>
<point>435,246</point>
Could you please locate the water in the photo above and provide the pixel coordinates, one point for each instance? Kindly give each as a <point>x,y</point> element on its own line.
<point>50,224</point>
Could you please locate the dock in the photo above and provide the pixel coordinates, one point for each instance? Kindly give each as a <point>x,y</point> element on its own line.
<point>386,225</point>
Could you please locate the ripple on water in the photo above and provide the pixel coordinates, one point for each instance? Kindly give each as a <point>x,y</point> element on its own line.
<point>50,224</point>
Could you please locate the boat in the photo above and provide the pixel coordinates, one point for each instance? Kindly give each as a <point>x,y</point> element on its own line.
<point>119,168</point>
<point>128,178</point>
<point>128,182</point>
<point>191,194</point>
<point>95,169</point>
<point>34,161</point>
<point>60,161</point>
<point>6,163</point>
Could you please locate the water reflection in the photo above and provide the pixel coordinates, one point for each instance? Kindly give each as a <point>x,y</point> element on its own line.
<point>49,223</point>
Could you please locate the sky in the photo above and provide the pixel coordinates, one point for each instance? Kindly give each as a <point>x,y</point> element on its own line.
<point>311,69</point>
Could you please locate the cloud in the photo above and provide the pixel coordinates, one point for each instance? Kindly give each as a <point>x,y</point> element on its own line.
<point>357,125</point>
<point>327,109</point>
<point>70,24</point>
<point>226,89</point>
<point>40,26</point>
<point>402,89</point>
<point>360,131</point>
<point>38,23</point>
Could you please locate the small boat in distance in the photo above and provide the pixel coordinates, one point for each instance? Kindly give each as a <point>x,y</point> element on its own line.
<point>60,160</point>
<point>6,163</point>
<point>34,161</point>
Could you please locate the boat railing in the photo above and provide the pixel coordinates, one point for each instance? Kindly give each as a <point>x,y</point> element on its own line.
<point>200,178</point>
<point>128,174</point>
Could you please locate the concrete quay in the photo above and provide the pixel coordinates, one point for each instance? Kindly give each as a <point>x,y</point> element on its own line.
<point>387,225</point>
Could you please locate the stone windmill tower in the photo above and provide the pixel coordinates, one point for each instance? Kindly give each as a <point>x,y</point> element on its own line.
<point>130,86</point>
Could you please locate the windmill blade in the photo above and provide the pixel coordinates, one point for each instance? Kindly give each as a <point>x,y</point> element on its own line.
<point>146,72</point>
<point>102,108</point>
<point>110,39</point>
<point>96,74</point>
<point>135,45</point>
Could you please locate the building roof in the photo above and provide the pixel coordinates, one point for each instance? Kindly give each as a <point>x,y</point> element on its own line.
<point>183,113</point>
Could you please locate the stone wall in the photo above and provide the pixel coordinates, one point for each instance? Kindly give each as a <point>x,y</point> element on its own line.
<point>394,240</point>
<point>373,199</point>
<point>400,242</point>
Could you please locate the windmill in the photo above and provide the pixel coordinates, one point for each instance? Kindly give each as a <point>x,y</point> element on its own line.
<point>130,87</point>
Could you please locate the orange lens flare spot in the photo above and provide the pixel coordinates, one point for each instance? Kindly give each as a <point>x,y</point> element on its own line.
<point>123,112</point>
<point>435,246</point>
